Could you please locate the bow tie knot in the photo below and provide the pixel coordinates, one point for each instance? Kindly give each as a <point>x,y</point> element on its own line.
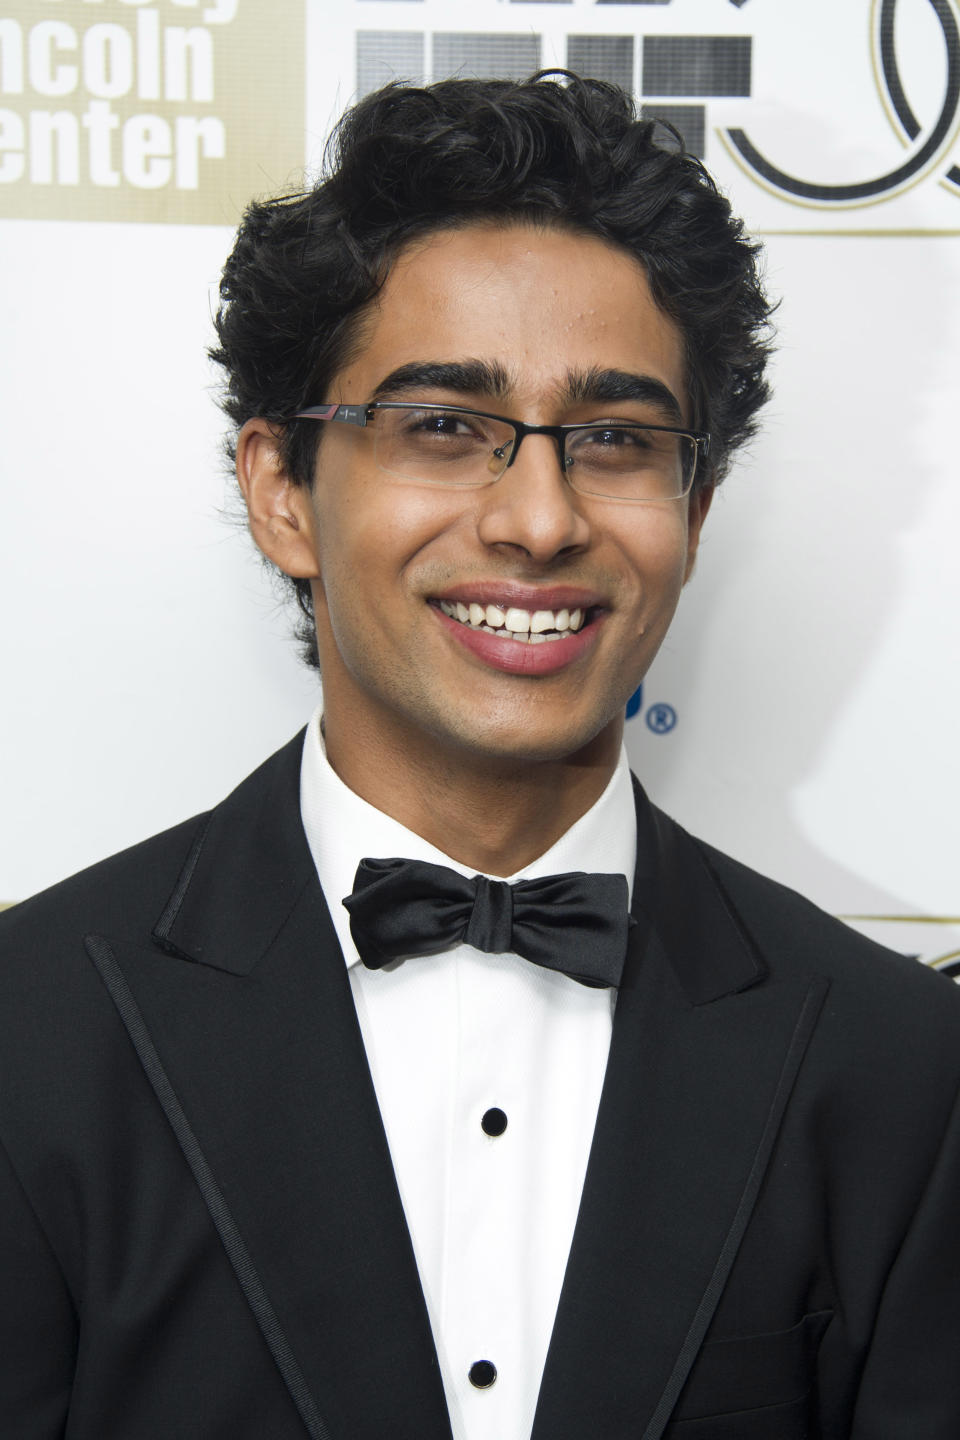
<point>490,926</point>
<point>575,923</point>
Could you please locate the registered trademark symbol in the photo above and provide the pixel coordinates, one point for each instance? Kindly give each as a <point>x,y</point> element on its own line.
<point>661,719</point>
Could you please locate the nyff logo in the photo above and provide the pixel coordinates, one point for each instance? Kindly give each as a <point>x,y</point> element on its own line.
<point>928,145</point>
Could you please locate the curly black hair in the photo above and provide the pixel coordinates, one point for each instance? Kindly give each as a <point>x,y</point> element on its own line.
<point>407,161</point>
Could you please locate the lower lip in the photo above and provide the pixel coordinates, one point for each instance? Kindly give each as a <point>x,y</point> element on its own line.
<point>518,657</point>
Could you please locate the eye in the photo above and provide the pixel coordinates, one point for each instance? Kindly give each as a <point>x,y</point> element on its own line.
<point>451,423</point>
<point>613,447</point>
<point>611,437</point>
<point>414,439</point>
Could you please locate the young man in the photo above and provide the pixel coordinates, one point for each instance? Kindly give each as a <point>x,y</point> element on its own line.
<point>435,1083</point>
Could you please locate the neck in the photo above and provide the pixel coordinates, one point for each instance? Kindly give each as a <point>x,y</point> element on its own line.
<point>492,814</point>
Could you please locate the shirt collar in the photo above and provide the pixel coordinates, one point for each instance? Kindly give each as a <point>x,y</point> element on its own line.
<point>341,829</point>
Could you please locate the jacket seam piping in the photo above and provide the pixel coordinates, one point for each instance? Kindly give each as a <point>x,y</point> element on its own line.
<point>172,908</point>
<point>112,976</point>
<point>711,1295</point>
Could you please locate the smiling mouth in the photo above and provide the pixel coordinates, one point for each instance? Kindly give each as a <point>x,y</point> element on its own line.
<point>508,622</point>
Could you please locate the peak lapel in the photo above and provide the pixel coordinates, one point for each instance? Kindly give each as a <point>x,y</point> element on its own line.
<point>246,999</point>
<point>704,1054</point>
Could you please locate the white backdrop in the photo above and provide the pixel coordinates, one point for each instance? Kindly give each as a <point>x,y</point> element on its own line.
<point>803,713</point>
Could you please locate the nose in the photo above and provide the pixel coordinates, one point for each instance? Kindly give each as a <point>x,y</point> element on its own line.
<point>532,507</point>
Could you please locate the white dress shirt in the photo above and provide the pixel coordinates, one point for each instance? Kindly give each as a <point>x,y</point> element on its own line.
<point>449,1039</point>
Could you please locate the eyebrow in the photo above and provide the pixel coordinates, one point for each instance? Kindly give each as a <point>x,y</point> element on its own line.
<point>486,378</point>
<point>597,385</point>
<point>463,377</point>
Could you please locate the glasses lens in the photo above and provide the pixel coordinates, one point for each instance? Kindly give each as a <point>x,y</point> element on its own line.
<point>631,462</point>
<point>435,445</point>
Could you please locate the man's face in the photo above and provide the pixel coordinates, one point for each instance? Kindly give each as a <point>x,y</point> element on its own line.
<point>541,326</point>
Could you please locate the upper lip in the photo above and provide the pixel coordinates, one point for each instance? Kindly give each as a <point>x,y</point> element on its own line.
<point>515,594</point>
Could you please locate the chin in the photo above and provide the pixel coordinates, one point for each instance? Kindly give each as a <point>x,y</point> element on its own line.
<point>520,742</point>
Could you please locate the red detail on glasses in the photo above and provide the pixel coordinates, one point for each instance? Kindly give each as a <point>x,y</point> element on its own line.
<point>317,412</point>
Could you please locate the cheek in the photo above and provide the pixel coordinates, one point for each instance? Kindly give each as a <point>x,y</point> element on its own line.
<point>658,556</point>
<point>371,535</point>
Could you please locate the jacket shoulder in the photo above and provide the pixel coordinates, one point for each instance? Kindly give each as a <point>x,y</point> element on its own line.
<point>126,893</point>
<point>797,936</point>
<point>106,891</point>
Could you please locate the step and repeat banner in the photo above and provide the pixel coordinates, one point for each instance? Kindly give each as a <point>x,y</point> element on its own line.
<point>803,713</point>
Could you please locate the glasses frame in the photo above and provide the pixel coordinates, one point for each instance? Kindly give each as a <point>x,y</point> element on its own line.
<point>359,415</point>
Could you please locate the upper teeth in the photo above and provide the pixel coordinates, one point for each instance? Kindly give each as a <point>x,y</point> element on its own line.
<point>512,621</point>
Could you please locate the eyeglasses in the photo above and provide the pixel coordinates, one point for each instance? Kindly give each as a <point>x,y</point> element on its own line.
<point>466,449</point>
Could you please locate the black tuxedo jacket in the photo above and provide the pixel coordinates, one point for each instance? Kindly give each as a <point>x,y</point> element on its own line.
<point>201,1236</point>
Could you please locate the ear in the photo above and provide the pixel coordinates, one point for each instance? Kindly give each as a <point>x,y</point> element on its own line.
<point>699,504</point>
<point>279,511</point>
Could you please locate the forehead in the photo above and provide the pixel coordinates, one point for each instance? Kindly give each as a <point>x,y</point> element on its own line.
<point>537,304</point>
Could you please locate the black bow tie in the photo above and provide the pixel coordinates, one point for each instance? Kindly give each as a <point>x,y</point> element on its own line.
<point>575,923</point>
